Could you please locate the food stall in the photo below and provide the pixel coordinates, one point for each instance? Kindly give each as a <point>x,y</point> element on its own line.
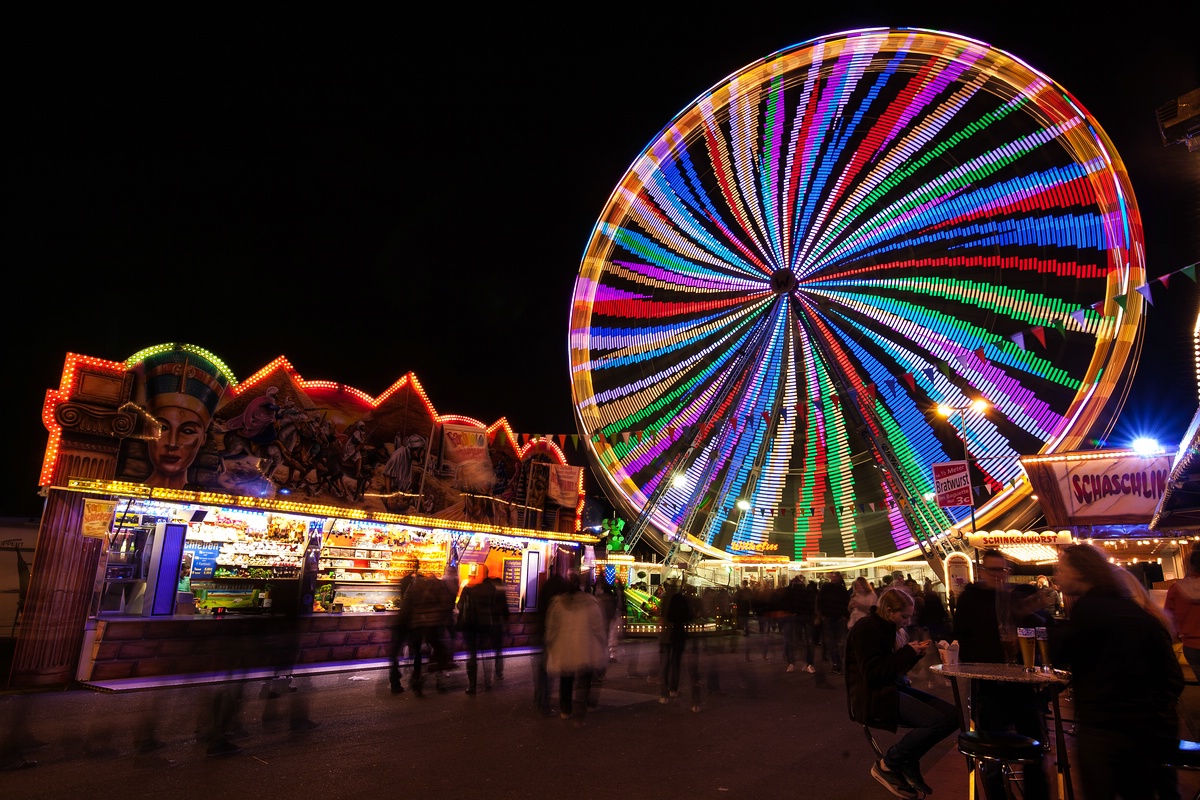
<point>184,506</point>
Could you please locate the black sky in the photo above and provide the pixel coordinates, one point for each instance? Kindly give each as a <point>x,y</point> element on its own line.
<point>369,196</point>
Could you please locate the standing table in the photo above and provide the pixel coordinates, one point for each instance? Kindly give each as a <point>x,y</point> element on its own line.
<point>1015,673</point>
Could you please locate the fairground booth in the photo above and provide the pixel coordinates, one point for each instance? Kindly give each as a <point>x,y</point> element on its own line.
<point>189,516</point>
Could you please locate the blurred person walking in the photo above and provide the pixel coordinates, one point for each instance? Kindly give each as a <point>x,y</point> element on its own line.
<point>1183,606</point>
<point>862,600</point>
<point>476,606</point>
<point>1125,679</point>
<point>677,613</point>
<point>576,644</point>
<point>428,605</point>
<point>401,630</point>
<point>500,617</point>
<point>833,607</point>
<point>552,587</point>
<point>881,695</point>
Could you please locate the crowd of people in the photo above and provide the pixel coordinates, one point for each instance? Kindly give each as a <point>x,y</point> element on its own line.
<point>1104,627</point>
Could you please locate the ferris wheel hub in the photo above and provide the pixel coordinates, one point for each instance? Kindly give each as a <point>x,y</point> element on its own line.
<point>783,281</point>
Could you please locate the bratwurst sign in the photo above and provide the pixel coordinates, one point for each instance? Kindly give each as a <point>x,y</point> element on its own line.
<point>952,484</point>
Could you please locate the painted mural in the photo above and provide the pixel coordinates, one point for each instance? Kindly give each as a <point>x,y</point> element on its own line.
<point>277,435</point>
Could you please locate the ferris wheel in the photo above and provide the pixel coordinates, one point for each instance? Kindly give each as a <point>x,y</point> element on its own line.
<point>816,253</point>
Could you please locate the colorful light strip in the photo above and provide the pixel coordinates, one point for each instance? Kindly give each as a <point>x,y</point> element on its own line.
<point>932,198</point>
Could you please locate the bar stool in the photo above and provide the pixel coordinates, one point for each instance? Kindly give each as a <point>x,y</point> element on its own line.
<point>1186,755</point>
<point>1003,747</point>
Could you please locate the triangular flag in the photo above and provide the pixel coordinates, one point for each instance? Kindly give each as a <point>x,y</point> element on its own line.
<point>979,353</point>
<point>1019,338</point>
<point>575,440</point>
<point>1120,300</point>
<point>910,380</point>
<point>783,413</point>
<point>1098,307</point>
<point>1144,291</point>
<point>944,368</point>
<point>1189,272</point>
<point>1163,280</point>
<point>837,400</point>
<point>1040,334</point>
<point>766,415</point>
<point>870,390</point>
<point>562,440</point>
<point>928,372</point>
<point>639,436</point>
<point>1079,316</point>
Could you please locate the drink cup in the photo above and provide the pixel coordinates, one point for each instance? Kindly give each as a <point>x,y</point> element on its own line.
<point>1026,637</point>
<point>1043,640</point>
<point>1008,641</point>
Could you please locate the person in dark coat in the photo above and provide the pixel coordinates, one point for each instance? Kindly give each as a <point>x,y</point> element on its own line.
<point>400,631</point>
<point>677,613</point>
<point>833,605</point>
<point>881,696</point>
<point>476,606</point>
<point>984,608</point>
<point>1125,679</point>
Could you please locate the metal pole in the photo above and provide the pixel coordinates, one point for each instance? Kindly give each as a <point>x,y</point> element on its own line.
<point>962,413</point>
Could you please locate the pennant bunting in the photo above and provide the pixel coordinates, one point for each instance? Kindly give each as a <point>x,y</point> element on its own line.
<point>1144,291</point>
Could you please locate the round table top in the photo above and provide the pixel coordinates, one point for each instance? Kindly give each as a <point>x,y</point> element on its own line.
<point>1010,673</point>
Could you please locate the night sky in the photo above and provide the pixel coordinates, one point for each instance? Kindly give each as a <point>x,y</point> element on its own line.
<point>369,197</point>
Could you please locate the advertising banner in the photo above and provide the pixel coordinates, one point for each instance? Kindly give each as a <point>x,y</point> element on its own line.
<point>98,517</point>
<point>564,485</point>
<point>464,445</point>
<point>952,484</point>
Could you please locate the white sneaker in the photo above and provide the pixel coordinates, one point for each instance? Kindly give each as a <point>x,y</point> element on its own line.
<point>810,669</point>
<point>791,668</point>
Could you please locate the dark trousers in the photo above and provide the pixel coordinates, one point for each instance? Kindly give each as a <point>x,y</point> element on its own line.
<point>930,719</point>
<point>476,640</point>
<point>568,685</point>
<point>671,665</point>
<point>834,631</point>
<point>787,627</point>
<point>400,638</point>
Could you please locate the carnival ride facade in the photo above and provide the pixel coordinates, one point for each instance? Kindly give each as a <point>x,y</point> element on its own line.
<point>815,254</point>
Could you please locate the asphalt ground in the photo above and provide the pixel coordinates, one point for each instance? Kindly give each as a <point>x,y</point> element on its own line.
<point>759,732</point>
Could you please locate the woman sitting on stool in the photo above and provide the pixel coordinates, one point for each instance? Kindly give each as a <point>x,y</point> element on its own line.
<point>882,697</point>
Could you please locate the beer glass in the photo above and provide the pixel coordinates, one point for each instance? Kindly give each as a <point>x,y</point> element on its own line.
<point>1027,639</point>
<point>1043,640</point>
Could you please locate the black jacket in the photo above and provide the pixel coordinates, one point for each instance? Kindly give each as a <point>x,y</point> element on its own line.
<point>833,600</point>
<point>1124,673</point>
<point>875,671</point>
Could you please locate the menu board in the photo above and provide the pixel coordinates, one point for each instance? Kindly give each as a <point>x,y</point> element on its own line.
<point>512,583</point>
<point>204,558</point>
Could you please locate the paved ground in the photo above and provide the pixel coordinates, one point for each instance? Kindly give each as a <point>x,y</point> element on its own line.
<point>765,733</point>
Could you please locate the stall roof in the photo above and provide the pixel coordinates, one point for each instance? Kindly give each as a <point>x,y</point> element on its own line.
<point>1179,508</point>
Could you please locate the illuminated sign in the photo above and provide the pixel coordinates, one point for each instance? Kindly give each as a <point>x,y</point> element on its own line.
<point>986,539</point>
